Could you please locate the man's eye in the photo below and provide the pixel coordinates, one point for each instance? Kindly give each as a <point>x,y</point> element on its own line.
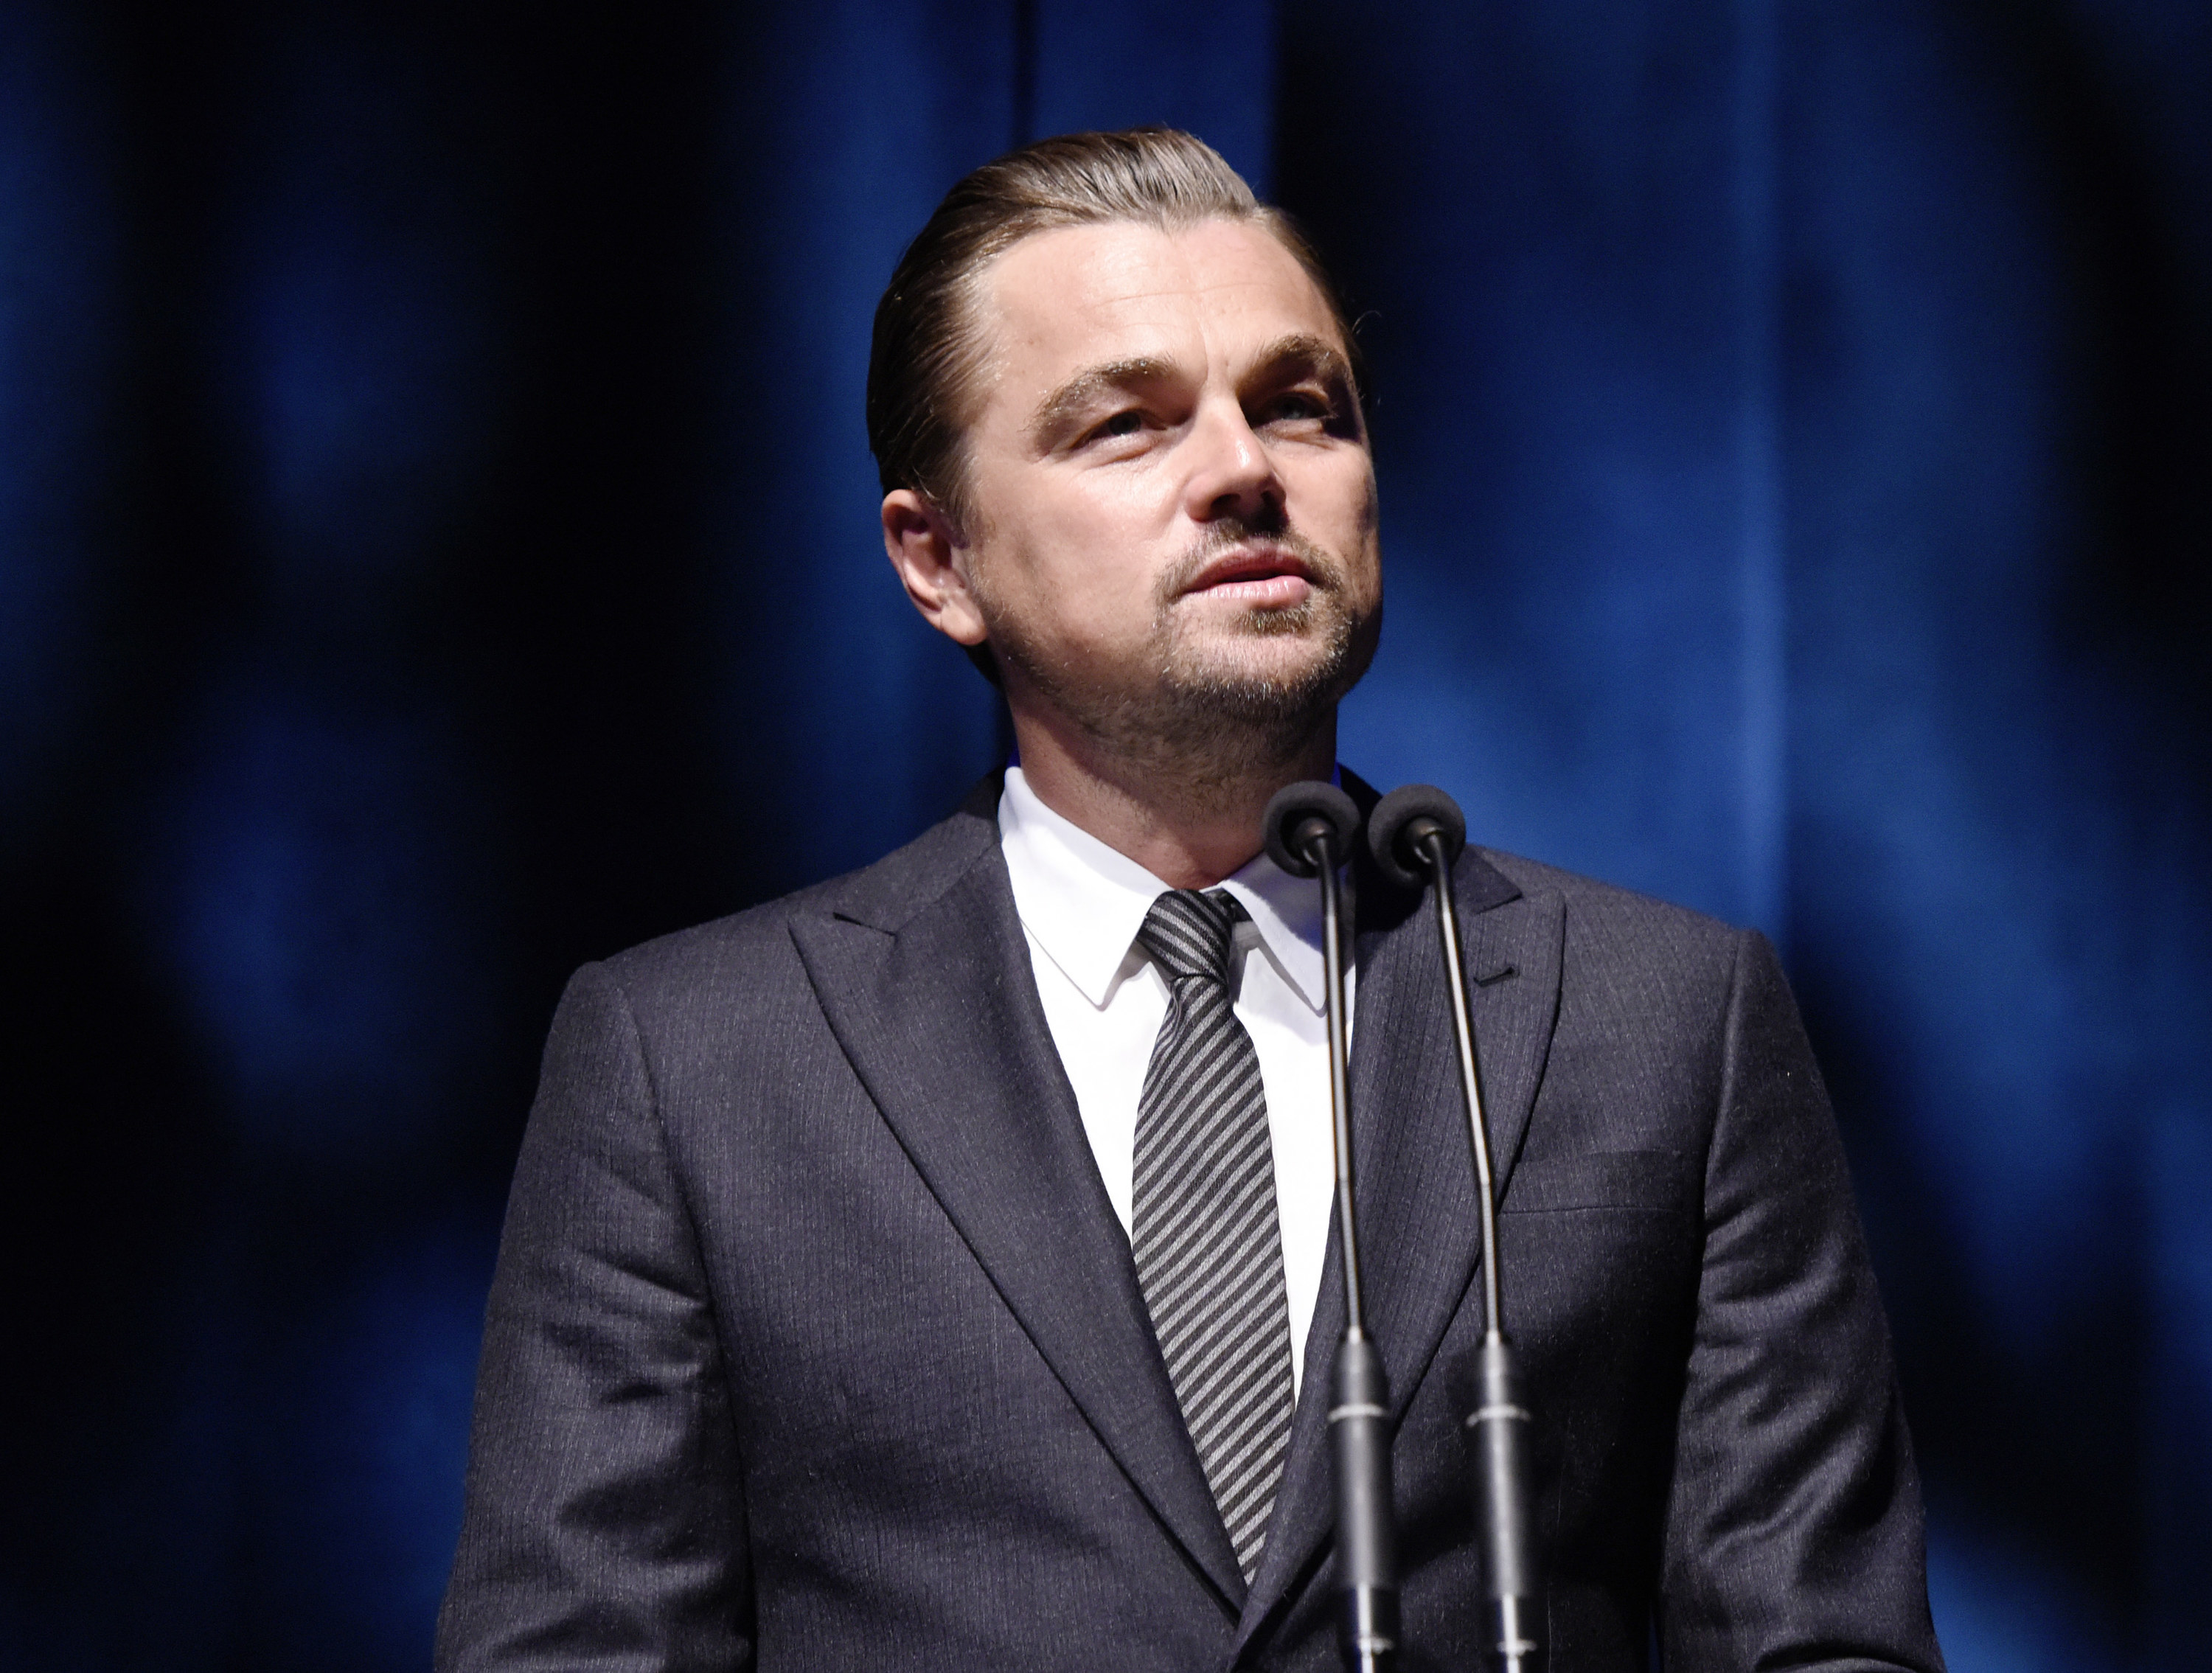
<point>1121,423</point>
<point>1295,407</point>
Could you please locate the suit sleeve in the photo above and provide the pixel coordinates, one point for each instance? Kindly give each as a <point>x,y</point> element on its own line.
<point>1793,1533</point>
<point>604,1519</point>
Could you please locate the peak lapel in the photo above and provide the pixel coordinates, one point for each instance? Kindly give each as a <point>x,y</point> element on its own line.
<point>1413,1171</point>
<point>940,1016</point>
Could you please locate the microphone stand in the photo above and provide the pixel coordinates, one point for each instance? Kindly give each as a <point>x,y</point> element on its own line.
<point>1310,827</point>
<point>1416,836</point>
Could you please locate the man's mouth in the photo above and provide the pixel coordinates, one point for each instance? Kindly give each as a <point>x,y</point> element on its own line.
<point>1258,577</point>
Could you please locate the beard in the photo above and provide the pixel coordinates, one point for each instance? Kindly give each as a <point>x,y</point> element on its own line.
<point>1202,712</point>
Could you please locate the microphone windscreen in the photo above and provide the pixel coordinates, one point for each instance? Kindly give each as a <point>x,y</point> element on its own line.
<point>1402,815</point>
<point>1293,805</point>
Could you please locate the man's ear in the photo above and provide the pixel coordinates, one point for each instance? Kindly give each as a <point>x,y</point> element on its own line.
<point>932,565</point>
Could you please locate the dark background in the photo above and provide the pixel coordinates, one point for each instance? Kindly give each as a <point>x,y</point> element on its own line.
<point>437,546</point>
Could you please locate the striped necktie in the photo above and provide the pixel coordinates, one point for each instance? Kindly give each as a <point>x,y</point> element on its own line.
<point>1209,1255</point>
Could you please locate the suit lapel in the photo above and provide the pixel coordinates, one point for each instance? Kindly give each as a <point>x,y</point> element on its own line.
<point>1414,1173</point>
<point>936,1008</point>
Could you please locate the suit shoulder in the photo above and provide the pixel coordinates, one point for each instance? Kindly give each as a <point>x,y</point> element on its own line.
<point>1605,919</point>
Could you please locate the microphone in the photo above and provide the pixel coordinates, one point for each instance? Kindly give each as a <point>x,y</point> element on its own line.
<point>1416,835</point>
<point>1310,829</point>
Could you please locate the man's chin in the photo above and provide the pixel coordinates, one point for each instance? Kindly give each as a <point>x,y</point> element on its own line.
<point>1270,682</point>
<point>1290,653</point>
<point>1256,678</point>
<point>1221,691</point>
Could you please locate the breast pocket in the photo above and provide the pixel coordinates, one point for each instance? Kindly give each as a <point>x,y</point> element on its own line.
<point>1600,1255</point>
<point>1663,1181</point>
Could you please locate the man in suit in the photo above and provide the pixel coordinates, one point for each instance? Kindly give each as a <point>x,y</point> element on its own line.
<point>934,1269</point>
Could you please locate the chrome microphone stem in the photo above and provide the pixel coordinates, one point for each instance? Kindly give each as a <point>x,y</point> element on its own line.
<point>1359,1403</point>
<point>1309,829</point>
<point>1340,1089</point>
<point>1497,1430</point>
<point>1433,849</point>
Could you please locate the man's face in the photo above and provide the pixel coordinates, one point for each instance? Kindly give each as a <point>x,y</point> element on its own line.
<point>1174,512</point>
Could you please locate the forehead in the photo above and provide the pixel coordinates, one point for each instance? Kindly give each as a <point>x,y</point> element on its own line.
<point>1075,296</point>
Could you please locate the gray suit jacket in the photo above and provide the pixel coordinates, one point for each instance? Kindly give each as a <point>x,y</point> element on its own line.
<point>815,1344</point>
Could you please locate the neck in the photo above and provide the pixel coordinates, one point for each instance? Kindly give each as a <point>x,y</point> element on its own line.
<point>1190,817</point>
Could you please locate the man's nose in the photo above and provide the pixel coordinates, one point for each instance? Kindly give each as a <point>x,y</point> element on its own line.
<point>1231,474</point>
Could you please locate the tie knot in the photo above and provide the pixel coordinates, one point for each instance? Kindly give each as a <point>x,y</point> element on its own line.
<point>1189,932</point>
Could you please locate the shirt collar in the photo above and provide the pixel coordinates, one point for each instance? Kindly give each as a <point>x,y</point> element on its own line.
<point>1084,902</point>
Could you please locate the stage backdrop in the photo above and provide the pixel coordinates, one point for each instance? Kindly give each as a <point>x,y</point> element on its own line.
<point>437,546</point>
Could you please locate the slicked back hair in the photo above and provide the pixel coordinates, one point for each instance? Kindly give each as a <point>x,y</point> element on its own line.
<point>927,355</point>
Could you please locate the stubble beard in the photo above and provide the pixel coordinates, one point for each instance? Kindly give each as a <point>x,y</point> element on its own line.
<point>1194,726</point>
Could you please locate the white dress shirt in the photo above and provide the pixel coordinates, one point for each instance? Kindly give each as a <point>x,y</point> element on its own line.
<point>1081,904</point>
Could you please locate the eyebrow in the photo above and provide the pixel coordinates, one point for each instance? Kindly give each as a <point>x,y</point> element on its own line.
<point>1299,352</point>
<point>1054,411</point>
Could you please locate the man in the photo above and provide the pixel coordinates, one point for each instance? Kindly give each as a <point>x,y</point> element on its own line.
<point>931,1269</point>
